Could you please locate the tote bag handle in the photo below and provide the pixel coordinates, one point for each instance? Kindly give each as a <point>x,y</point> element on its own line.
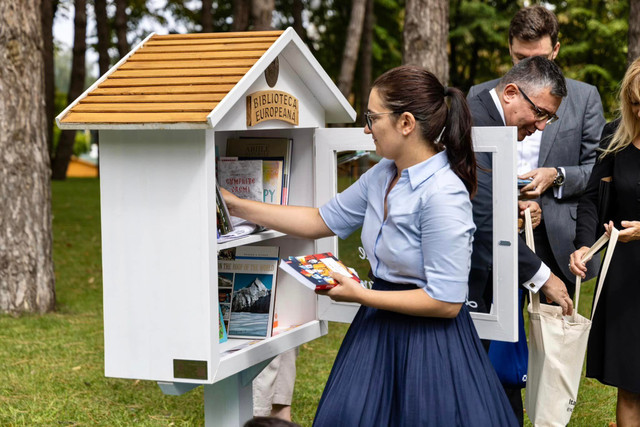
<point>528,237</point>
<point>605,266</point>
<point>535,298</point>
<point>528,230</point>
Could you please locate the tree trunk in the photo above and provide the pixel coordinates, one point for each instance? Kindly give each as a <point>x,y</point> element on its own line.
<point>120,26</point>
<point>298,8</point>
<point>262,14</point>
<point>426,31</point>
<point>48,13</point>
<point>456,73</point>
<point>104,39</point>
<point>634,31</point>
<point>366,60</point>
<point>26,267</point>
<point>76,87</point>
<point>240,15</point>
<point>207,16</point>
<point>351,47</point>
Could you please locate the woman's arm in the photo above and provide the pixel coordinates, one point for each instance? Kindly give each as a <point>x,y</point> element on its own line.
<point>294,220</point>
<point>587,218</point>
<point>446,227</point>
<point>415,302</point>
<point>344,213</point>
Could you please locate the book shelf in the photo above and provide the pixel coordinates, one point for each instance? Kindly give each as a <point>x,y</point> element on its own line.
<point>160,260</point>
<point>251,239</point>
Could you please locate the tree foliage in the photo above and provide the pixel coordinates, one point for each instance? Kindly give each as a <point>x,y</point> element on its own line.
<point>326,29</point>
<point>593,34</point>
<point>478,41</point>
<point>593,40</point>
<point>593,47</point>
<point>189,15</point>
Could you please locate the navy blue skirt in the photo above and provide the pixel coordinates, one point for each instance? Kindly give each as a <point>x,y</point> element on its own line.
<point>399,370</point>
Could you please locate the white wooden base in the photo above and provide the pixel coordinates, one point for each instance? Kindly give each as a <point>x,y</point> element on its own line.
<point>229,402</point>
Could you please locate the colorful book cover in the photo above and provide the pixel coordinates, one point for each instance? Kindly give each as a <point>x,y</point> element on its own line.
<point>246,283</point>
<point>222,330</point>
<point>313,271</point>
<point>242,178</point>
<point>265,149</point>
<point>272,181</point>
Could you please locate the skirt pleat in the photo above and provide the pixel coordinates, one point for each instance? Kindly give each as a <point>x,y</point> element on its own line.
<point>399,370</point>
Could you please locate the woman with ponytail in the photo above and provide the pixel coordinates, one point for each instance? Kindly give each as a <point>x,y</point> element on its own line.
<point>412,356</point>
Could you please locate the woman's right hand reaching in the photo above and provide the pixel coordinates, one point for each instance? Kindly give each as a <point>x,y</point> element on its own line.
<point>230,199</point>
<point>298,221</point>
<point>576,264</point>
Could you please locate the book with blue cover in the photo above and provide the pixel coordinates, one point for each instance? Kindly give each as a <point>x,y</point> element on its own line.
<point>222,329</point>
<point>246,289</point>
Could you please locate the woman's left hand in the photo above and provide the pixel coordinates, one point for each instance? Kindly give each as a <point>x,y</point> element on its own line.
<point>577,264</point>
<point>347,289</point>
<point>630,231</point>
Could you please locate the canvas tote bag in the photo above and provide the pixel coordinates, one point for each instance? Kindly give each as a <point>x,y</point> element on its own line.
<point>557,346</point>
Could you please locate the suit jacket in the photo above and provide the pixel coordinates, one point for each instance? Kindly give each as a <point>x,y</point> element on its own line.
<point>569,143</point>
<point>485,113</point>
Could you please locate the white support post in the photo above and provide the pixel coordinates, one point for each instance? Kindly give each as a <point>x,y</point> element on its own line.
<point>230,402</point>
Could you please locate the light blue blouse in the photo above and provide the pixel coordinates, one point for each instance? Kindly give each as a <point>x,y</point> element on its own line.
<point>426,238</point>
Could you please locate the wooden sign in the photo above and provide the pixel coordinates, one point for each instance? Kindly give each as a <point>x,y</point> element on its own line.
<point>272,105</point>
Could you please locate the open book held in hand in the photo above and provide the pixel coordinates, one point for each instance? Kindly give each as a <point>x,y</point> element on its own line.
<point>314,271</point>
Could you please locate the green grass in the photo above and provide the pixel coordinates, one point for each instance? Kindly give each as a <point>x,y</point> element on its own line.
<point>52,368</point>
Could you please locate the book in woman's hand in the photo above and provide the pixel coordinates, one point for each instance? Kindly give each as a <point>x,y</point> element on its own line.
<point>314,271</point>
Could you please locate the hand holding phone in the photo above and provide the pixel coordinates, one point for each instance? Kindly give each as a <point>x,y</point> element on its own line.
<point>524,182</point>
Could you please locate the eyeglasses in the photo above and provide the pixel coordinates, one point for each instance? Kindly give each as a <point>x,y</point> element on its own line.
<point>368,115</point>
<point>539,113</point>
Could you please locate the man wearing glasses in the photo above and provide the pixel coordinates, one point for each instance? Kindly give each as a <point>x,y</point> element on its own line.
<point>559,159</point>
<point>528,97</point>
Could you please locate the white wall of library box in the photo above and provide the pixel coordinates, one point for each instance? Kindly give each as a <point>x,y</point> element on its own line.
<point>159,241</point>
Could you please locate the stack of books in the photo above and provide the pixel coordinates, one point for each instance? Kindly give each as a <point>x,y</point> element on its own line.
<point>257,169</point>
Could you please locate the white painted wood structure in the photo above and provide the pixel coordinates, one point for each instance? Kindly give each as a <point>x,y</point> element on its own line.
<point>157,166</point>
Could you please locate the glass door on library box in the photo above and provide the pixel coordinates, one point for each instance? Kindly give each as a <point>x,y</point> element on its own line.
<point>343,154</point>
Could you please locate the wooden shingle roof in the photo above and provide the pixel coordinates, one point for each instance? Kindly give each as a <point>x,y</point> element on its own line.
<point>178,78</point>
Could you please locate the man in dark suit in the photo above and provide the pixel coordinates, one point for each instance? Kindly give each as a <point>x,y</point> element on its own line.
<point>559,159</point>
<point>527,97</point>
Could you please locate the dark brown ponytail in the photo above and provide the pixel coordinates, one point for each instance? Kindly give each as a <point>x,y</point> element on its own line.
<point>457,139</point>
